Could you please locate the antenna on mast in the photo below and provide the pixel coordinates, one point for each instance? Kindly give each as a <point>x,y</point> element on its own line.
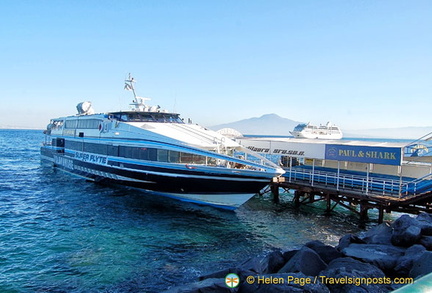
<point>138,102</point>
<point>129,85</point>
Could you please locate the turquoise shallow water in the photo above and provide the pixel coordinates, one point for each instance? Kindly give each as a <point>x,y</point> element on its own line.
<point>59,233</point>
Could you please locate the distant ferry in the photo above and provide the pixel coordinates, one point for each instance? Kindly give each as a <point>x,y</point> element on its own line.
<point>155,150</point>
<point>306,130</point>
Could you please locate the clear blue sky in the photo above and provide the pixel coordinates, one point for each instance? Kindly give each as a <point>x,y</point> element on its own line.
<point>360,64</point>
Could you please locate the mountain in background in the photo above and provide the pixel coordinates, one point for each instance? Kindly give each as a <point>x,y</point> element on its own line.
<point>272,124</point>
<point>269,124</point>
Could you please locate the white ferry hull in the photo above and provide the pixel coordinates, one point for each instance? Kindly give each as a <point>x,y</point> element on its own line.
<point>221,200</point>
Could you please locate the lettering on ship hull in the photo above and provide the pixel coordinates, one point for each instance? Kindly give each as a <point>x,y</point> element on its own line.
<point>65,162</point>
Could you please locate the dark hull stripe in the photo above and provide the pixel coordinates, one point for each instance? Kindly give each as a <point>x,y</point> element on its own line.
<point>210,183</point>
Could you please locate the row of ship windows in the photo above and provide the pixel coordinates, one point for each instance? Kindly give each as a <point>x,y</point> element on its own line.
<point>134,117</point>
<point>83,123</point>
<point>139,153</point>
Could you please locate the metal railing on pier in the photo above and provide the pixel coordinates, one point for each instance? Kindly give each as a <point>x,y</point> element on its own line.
<point>367,184</point>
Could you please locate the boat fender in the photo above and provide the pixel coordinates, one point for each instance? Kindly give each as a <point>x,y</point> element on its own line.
<point>101,126</point>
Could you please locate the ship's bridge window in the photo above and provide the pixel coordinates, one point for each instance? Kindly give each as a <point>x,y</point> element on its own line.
<point>56,124</point>
<point>148,117</point>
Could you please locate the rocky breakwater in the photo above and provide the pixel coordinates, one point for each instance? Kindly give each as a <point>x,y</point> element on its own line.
<point>381,259</point>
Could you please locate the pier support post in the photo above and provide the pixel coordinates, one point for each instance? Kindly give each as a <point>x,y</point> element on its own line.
<point>328,200</point>
<point>275,191</point>
<point>380,214</point>
<point>311,197</point>
<point>297,198</point>
<point>363,214</point>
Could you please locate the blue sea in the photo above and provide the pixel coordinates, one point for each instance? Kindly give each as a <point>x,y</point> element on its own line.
<point>60,233</point>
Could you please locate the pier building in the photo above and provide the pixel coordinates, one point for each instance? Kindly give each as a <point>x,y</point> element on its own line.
<point>357,174</point>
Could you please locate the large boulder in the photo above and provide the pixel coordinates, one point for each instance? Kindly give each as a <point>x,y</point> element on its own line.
<point>344,275</point>
<point>346,240</point>
<point>406,231</point>
<point>424,221</point>
<point>405,263</point>
<point>326,252</point>
<point>287,282</point>
<point>426,241</point>
<point>287,255</point>
<point>267,264</point>
<point>422,266</point>
<point>305,261</point>
<point>383,256</point>
<point>380,234</point>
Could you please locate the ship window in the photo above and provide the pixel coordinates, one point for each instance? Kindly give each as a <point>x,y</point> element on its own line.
<point>162,156</point>
<point>188,158</point>
<point>95,148</point>
<point>174,157</point>
<point>112,150</point>
<point>56,124</point>
<point>89,123</point>
<point>123,117</point>
<point>71,123</point>
<point>139,153</point>
<point>126,152</point>
<point>74,145</point>
<point>147,117</point>
<point>152,154</point>
<point>143,153</point>
<point>123,151</point>
<point>134,117</point>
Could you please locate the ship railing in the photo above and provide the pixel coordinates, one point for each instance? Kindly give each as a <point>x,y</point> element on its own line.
<point>364,183</point>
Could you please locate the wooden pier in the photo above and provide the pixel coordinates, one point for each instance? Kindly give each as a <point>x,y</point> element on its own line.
<point>356,200</point>
<point>357,175</point>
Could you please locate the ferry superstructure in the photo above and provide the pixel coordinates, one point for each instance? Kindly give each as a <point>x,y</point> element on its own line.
<point>157,151</point>
<point>307,130</point>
